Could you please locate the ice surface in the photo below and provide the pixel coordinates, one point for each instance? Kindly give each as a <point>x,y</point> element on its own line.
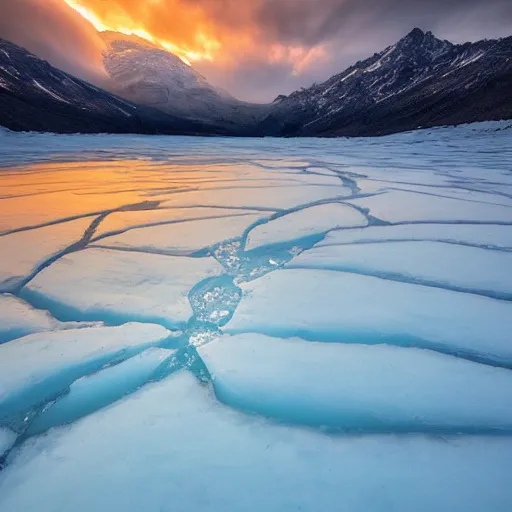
<point>306,222</point>
<point>398,206</point>
<point>23,252</point>
<point>39,367</point>
<point>122,221</point>
<point>325,305</point>
<point>183,238</point>
<point>118,286</point>
<point>361,387</point>
<point>265,197</point>
<point>478,235</point>
<point>7,439</point>
<point>171,446</point>
<point>17,318</point>
<point>92,392</point>
<point>483,271</point>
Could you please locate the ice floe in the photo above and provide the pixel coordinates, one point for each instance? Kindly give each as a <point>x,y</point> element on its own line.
<point>183,238</point>
<point>23,252</point>
<point>92,392</point>
<point>398,206</point>
<point>498,237</point>
<point>358,387</point>
<point>325,305</point>
<point>483,271</point>
<point>39,367</point>
<point>117,286</point>
<point>305,222</point>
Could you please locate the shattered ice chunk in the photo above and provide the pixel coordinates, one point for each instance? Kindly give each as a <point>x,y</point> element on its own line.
<point>17,318</point>
<point>119,286</point>
<point>39,367</point>
<point>309,221</point>
<point>325,305</point>
<point>360,387</point>
<point>470,269</point>
<point>92,392</point>
<point>172,446</point>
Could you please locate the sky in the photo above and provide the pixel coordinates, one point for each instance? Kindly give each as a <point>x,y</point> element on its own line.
<point>255,49</point>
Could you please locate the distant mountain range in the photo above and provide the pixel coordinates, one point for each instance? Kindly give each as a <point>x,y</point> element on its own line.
<point>420,81</point>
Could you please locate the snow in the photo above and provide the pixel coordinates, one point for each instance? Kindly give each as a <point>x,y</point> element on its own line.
<point>39,367</point>
<point>479,235</point>
<point>183,238</point>
<point>434,263</point>
<point>47,91</point>
<point>360,387</point>
<point>24,251</point>
<point>117,286</point>
<point>302,223</point>
<point>92,392</point>
<point>17,318</point>
<point>172,446</point>
<point>360,309</point>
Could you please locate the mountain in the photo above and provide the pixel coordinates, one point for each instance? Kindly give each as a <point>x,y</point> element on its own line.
<point>149,75</point>
<point>38,97</point>
<point>420,81</point>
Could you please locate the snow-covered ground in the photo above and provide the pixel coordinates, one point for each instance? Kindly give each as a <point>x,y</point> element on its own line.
<point>199,324</point>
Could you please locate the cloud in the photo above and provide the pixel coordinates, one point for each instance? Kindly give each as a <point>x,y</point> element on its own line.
<point>55,32</point>
<point>256,49</point>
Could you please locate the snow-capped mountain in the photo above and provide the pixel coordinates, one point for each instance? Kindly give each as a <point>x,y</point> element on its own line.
<point>419,81</point>
<point>36,96</point>
<point>147,74</point>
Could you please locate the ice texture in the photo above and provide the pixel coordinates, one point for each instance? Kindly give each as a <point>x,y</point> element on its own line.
<point>118,286</point>
<point>183,238</point>
<point>23,252</point>
<point>435,263</point>
<point>92,392</point>
<point>39,367</point>
<point>172,446</point>
<point>325,305</point>
<point>17,318</point>
<point>400,206</point>
<point>7,439</point>
<point>302,223</point>
<point>499,237</point>
<point>358,387</point>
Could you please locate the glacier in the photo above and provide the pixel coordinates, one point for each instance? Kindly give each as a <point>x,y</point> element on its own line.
<point>185,322</point>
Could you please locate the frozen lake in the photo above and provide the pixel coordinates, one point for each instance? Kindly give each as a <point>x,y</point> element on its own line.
<point>202,324</point>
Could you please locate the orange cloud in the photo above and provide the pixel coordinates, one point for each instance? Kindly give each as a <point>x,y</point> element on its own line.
<point>199,30</point>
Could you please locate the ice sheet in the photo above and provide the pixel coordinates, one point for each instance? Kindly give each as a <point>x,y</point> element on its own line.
<point>325,305</point>
<point>7,439</point>
<point>306,222</point>
<point>40,366</point>
<point>118,286</point>
<point>359,387</point>
<point>171,446</point>
<point>184,238</point>
<point>470,269</point>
